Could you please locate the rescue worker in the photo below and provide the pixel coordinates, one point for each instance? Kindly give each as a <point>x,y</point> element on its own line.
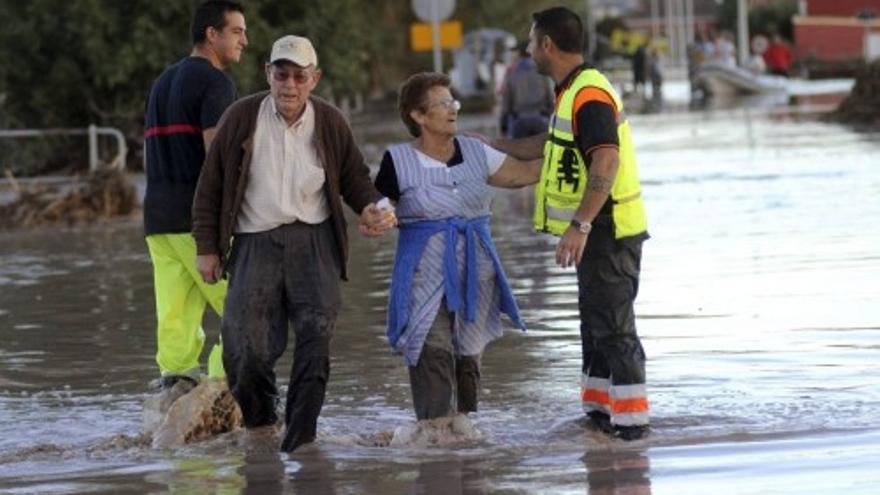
<point>589,194</point>
<point>182,111</point>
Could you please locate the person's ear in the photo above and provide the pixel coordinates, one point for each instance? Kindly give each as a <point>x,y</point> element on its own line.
<point>418,116</point>
<point>317,77</point>
<point>211,34</point>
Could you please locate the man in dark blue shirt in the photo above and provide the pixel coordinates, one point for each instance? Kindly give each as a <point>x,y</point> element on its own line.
<point>182,111</point>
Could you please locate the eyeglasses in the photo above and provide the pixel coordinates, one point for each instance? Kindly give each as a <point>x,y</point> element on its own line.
<point>448,104</point>
<point>298,77</point>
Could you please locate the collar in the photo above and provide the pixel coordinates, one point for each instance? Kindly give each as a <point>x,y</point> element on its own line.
<point>303,116</point>
<point>570,77</point>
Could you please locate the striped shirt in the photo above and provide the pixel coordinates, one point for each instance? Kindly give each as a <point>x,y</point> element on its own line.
<point>441,193</point>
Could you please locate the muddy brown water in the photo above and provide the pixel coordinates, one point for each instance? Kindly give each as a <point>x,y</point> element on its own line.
<point>758,311</point>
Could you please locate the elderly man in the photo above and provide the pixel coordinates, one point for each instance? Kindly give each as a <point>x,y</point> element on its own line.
<point>282,163</point>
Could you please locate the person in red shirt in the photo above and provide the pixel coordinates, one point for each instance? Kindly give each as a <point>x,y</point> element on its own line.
<point>778,56</point>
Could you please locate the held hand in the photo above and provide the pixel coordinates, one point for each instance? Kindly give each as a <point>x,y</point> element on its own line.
<point>209,267</point>
<point>376,221</point>
<point>570,249</point>
<point>371,231</point>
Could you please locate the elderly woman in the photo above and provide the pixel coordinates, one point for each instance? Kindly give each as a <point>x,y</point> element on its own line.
<point>448,288</point>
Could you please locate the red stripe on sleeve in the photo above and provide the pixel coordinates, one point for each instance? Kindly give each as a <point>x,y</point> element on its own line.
<point>172,129</point>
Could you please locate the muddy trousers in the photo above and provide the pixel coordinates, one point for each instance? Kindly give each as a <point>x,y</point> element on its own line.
<point>181,297</point>
<point>442,382</point>
<point>286,276</point>
<point>613,380</point>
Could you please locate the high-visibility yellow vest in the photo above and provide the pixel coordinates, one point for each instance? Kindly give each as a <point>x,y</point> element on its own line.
<point>564,176</point>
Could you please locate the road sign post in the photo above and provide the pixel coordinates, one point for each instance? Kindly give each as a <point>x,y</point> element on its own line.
<point>434,11</point>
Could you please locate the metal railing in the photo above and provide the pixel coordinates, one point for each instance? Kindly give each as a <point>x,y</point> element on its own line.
<point>91,131</point>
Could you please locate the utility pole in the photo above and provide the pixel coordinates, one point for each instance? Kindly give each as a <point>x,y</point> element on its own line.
<point>591,31</point>
<point>689,21</point>
<point>742,31</point>
<point>672,21</point>
<point>435,34</point>
<point>655,18</point>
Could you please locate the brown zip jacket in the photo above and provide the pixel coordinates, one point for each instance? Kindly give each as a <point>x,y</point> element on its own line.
<point>224,175</point>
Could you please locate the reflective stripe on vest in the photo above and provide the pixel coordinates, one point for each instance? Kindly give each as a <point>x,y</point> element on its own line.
<point>564,175</point>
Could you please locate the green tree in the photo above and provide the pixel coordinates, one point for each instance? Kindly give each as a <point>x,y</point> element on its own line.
<point>774,17</point>
<point>71,63</point>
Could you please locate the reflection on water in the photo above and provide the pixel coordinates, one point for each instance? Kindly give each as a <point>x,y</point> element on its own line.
<point>757,310</point>
<point>616,473</point>
<point>264,473</point>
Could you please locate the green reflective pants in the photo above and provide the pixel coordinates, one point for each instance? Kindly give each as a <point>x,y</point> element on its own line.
<point>181,295</point>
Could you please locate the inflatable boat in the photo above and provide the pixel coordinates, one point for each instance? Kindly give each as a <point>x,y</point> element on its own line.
<point>723,80</point>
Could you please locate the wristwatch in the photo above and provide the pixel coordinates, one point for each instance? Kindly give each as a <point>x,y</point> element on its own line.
<point>583,227</point>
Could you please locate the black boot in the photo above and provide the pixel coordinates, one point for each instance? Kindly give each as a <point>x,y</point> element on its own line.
<point>601,422</point>
<point>630,433</point>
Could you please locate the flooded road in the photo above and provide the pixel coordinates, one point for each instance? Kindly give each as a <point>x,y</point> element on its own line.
<point>758,312</point>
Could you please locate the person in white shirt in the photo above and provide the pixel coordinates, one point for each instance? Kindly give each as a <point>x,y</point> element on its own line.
<point>281,166</point>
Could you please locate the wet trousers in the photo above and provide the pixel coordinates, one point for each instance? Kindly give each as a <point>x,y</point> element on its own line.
<point>285,276</point>
<point>613,380</point>
<point>181,297</point>
<point>443,382</point>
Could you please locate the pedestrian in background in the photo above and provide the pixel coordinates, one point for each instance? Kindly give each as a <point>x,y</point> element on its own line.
<point>778,56</point>
<point>526,98</point>
<point>639,68</point>
<point>655,73</point>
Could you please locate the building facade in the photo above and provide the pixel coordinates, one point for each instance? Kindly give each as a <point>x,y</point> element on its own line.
<point>839,30</point>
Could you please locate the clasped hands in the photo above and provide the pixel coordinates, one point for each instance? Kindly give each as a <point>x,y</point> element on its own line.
<point>375,221</point>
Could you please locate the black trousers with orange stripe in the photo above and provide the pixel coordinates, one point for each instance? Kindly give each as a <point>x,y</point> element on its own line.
<point>608,282</point>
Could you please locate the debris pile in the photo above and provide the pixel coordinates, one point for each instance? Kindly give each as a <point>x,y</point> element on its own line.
<point>862,106</point>
<point>192,415</point>
<point>101,195</point>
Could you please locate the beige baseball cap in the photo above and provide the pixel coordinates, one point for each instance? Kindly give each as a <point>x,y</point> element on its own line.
<point>295,49</point>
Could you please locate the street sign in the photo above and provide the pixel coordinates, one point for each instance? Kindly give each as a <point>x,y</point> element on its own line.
<point>433,10</point>
<point>422,40</point>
